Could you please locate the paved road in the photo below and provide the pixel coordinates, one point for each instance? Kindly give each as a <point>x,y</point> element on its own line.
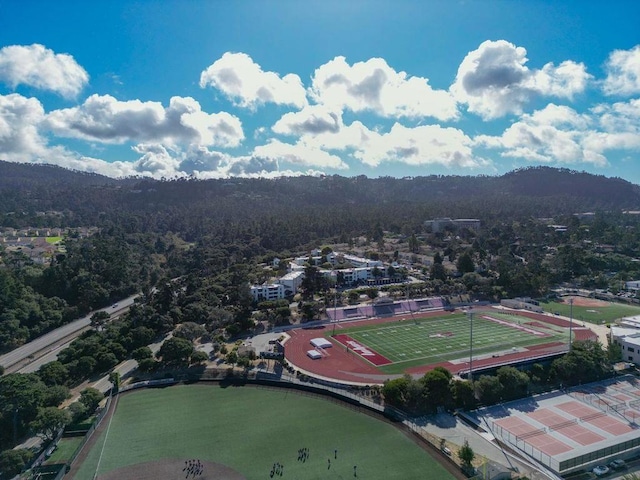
<point>103,385</point>
<point>15,359</point>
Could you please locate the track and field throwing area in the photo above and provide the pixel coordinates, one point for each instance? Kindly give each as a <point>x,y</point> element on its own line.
<point>397,345</point>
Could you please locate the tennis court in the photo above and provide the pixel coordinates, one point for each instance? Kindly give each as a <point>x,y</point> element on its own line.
<point>420,341</point>
<point>567,430</point>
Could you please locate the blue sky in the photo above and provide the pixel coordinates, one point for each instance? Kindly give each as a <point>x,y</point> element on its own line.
<point>269,88</point>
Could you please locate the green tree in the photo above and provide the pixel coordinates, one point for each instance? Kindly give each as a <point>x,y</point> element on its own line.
<point>466,455</point>
<point>141,353</point>
<point>175,351</point>
<point>189,331</point>
<point>372,293</point>
<point>21,394</point>
<point>465,263</point>
<point>438,272</point>
<point>231,357</point>
<point>55,395</point>
<point>396,391</point>
<point>586,362</point>
<point>148,365</point>
<point>99,319</point>
<point>50,421</point>
<point>78,412</point>
<point>83,367</point>
<point>199,357</point>
<point>13,462</point>
<point>91,398</point>
<point>414,244</point>
<point>437,385</point>
<point>614,352</point>
<point>514,382</point>
<point>463,394</point>
<point>489,389</point>
<point>54,373</point>
<point>114,378</point>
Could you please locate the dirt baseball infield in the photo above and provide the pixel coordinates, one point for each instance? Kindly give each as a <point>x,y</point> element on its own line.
<point>585,302</point>
<point>173,469</point>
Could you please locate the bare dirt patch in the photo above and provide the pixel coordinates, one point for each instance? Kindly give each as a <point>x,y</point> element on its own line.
<point>585,302</point>
<point>172,469</point>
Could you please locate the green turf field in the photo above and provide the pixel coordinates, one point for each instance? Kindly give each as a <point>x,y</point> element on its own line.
<point>54,239</point>
<point>597,315</point>
<point>248,429</point>
<point>64,449</point>
<point>418,342</point>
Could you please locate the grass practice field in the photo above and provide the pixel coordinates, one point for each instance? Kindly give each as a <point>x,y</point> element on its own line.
<point>250,429</point>
<point>605,312</point>
<point>431,340</point>
<point>64,449</point>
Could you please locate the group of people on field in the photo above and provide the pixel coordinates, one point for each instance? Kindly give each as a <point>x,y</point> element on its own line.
<point>193,468</point>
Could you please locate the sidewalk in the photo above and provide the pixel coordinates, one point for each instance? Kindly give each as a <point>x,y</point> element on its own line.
<point>455,432</point>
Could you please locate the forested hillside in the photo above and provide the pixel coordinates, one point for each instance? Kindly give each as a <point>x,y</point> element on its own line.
<point>213,232</point>
<point>300,208</point>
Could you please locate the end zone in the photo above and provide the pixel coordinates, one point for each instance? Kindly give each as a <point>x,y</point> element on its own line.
<point>365,352</point>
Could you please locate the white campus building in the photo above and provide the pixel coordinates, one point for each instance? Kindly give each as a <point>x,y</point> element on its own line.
<point>289,284</point>
<point>632,285</point>
<point>272,291</point>
<point>626,333</point>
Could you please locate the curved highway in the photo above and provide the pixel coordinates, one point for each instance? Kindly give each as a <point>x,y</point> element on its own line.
<point>48,343</point>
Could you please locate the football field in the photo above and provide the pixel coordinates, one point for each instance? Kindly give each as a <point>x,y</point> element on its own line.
<point>431,340</point>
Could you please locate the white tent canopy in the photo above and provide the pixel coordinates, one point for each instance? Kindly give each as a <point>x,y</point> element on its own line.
<point>314,354</point>
<point>321,343</point>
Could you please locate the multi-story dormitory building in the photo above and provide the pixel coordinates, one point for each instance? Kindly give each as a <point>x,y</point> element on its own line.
<point>287,286</point>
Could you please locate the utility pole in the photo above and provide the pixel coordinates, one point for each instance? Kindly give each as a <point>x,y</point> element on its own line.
<point>470,345</point>
<point>570,320</point>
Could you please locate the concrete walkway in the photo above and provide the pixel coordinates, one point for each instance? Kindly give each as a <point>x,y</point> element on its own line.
<point>454,431</point>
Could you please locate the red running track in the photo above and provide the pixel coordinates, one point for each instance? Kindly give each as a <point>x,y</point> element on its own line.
<point>345,365</point>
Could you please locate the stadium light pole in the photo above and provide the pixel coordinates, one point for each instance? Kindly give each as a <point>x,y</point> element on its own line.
<point>470,345</point>
<point>570,320</point>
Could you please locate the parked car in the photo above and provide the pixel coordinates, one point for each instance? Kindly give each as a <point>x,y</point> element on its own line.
<point>617,464</point>
<point>600,470</point>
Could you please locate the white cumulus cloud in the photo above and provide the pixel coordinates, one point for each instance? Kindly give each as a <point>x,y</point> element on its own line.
<point>555,134</point>
<point>42,68</point>
<point>493,80</point>
<point>299,154</point>
<point>422,145</point>
<point>105,119</point>
<point>375,86</point>
<point>20,139</point>
<point>312,120</point>
<point>623,72</point>
<point>238,77</point>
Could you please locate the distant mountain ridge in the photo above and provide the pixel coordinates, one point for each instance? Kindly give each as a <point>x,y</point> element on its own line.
<point>555,189</point>
<point>29,174</point>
